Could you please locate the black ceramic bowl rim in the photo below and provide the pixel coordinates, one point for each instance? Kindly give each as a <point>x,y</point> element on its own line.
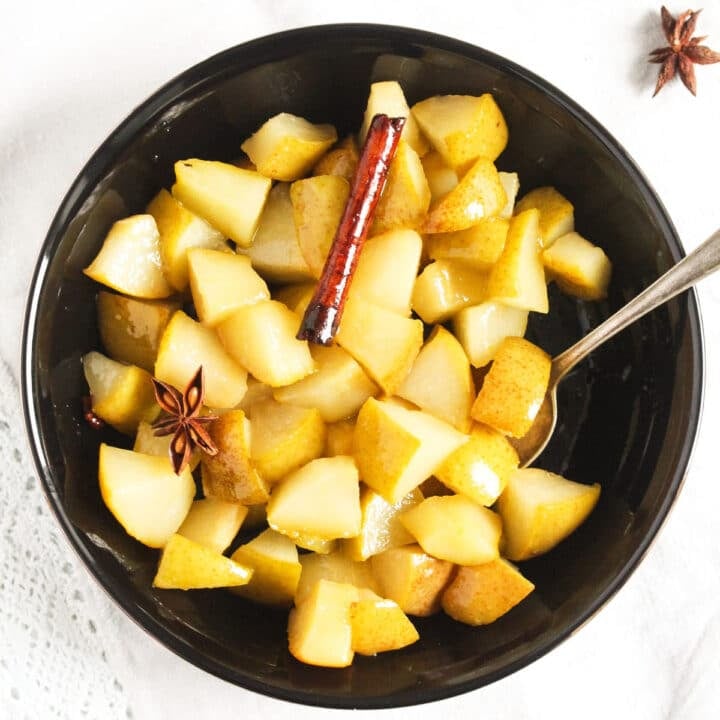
<point>248,55</point>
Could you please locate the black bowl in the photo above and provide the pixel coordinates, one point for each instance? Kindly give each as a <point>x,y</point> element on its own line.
<point>629,415</point>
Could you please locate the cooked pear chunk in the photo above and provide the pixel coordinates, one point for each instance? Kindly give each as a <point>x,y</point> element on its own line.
<point>441,178</point>
<point>479,247</point>
<point>296,296</point>
<point>341,160</point>
<point>287,146</point>
<point>300,503</point>
<point>454,528</point>
<point>480,594</point>
<point>184,347</point>
<point>578,267</point>
<point>556,213</point>
<point>257,392</point>
<point>122,395</point>
<point>511,185</point>
<point>514,388</point>
<point>335,566</point>
<point>316,544</point>
<point>213,523</point>
<point>261,337</point>
<point>144,494</point>
<point>379,625</point>
<point>187,565</point>
<point>230,198</point>
<point>396,448</point>
<point>412,578</point>
<point>540,509</point>
<point>339,440</point>
<point>222,283</point>
<point>129,259</point>
<point>440,381</point>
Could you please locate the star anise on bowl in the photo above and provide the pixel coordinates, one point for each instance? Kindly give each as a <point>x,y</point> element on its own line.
<point>183,421</point>
<point>683,51</point>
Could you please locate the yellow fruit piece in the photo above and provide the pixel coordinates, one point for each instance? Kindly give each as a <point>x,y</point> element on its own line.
<point>556,213</point>
<point>296,297</point>
<point>578,267</point>
<point>257,392</point>
<point>540,509</point>
<point>396,448</point>
<point>129,259</point>
<point>228,197</point>
<point>514,388</point>
<point>518,278</point>
<point>222,283</point>
<point>339,440</point>
<point>314,543</point>
<point>261,337</point>
<point>480,594</point>
<point>440,381</point>
<point>463,127</point>
<point>454,528</point>
<point>294,507</point>
<point>287,146</point>
<point>337,389</point>
<point>213,523</point>
<point>479,246</point>
<point>342,160</point>
<point>276,568</point>
<point>478,195</point>
<point>148,443</point>
<point>184,347</point>
<point>511,185</point>
<point>335,566</point>
<point>179,231</point>
<point>144,494</point>
<point>122,395</point>
<point>186,565</point>
<point>412,578</point>
<point>441,178</point>
<point>379,625</point>
<point>479,469</point>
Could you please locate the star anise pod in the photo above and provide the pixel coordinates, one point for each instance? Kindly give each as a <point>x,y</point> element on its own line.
<point>683,51</point>
<point>183,421</point>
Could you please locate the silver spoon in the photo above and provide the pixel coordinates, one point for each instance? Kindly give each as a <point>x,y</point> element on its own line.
<point>698,264</point>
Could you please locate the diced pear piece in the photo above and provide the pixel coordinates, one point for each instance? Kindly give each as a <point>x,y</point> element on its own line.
<point>275,252</point>
<point>122,395</point>
<point>284,437</point>
<point>339,440</point>
<point>518,278</point>
<point>480,594</point>
<point>314,543</point>
<point>387,98</point>
<point>335,566</point>
<point>148,443</point>
<point>441,178</point>
<point>381,528</point>
<point>296,297</point>
<point>540,509</point>
<point>129,259</point>
<point>578,267</point>
<point>261,337</point>
<point>231,475</point>
<point>276,568</point>
<point>213,523</point>
<point>144,494</point>
<point>556,213</point>
<point>478,195</point>
<point>454,528</point>
<point>287,146</point>
<point>131,329</point>
<point>184,347</point>
<point>318,204</point>
<point>479,469</point>
<point>338,388</point>
<point>342,160</point>
<point>511,185</point>
<point>396,448</point>
<point>319,628</point>
<point>479,246</point>
<point>228,197</point>
<point>514,388</point>
<point>463,128</point>
<point>385,273</point>
<point>181,230</point>
<point>379,625</point>
<point>383,342</point>
<point>445,287</point>
<point>440,381</point>
<point>187,565</point>
<point>222,283</point>
<point>482,328</point>
<point>412,578</point>
<point>406,197</point>
<point>300,503</point>
<point>257,392</point>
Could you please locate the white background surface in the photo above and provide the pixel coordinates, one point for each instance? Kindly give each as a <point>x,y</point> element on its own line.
<point>70,73</point>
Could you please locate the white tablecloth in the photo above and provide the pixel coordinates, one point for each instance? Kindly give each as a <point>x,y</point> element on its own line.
<point>71,72</point>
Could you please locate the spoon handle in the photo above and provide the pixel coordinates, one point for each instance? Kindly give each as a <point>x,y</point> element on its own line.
<point>703,261</point>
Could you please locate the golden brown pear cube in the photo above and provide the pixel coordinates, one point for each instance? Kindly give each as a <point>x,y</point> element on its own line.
<point>556,213</point>
<point>341,160</point>
<point>441,178</point>
<point>339,440</point>
<point>479,247</point>
<point>335,566</point>
<point>213,523</point>
<point>379,625</point>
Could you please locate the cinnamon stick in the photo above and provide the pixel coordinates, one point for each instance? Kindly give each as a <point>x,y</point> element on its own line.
<point>324,311</point>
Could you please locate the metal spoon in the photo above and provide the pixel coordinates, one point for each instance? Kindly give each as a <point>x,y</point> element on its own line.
<point>698,264</point>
